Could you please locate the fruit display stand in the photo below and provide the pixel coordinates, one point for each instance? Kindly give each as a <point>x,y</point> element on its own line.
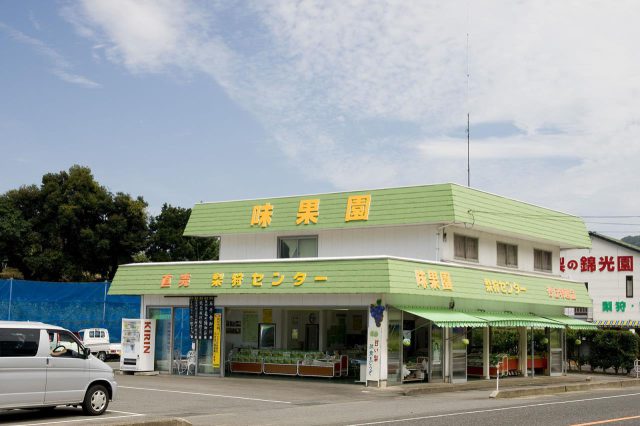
<point>284,365</point>
<point>288,363</point>
<point>319,368</point>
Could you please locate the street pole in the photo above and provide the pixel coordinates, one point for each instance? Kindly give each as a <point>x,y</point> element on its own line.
<point>10,296</point>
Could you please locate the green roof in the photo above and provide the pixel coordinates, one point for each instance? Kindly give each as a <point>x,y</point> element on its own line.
<point>615,241</point>
<point>426,204</point>
<point>446,318</point>
<point>420,280</point>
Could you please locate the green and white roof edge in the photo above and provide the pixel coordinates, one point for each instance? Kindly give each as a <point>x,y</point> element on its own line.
<point>412,205</point>
<point>448,318</point>
<point>394,277</point>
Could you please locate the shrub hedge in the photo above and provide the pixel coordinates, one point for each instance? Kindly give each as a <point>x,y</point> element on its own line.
<point>603,349</point>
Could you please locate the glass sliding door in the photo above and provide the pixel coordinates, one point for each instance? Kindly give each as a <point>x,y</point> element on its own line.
<point>458,355</point>
<point>394,345</point>
<point>181,338</point>
<point>183,347</point>
<point>436,354</point>
<point>555,351</point>
<point>163,337</point>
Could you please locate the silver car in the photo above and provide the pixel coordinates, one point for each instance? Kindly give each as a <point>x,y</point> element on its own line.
<point>42,366</point>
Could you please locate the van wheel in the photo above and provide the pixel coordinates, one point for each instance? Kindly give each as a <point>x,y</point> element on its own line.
<point>102,356</point>
<point>96,401</point>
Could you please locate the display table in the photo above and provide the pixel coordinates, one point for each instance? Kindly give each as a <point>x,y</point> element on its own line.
<point>281,369</point>
<point>245,367</point>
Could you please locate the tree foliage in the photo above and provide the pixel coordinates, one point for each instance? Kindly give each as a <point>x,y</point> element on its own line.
<point>166,243</point>
<point>632,239</point>
<point>70,228</point>
<point>603,349</point>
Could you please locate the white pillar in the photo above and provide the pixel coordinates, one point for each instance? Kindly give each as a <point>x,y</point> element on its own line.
<point>486,351</point>
<point>522,351</point>
<point>447,355</point>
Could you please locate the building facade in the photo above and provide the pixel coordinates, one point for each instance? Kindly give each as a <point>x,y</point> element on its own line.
<point>400,284</point>
<point>607,269</point>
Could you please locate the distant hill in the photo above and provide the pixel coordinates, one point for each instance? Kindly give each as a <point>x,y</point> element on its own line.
<point>632,239</point>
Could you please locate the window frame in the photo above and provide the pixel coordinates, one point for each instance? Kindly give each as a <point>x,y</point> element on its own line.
<point>297,237</point>
<point>506,256</point>
<point>54,333</point>
<point>550,270</point>
<point>465,258</point>
<point>628,280</point>
<point>15,331</point>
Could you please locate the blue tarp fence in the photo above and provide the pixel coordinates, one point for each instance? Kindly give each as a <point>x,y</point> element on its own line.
<point>73,306</point>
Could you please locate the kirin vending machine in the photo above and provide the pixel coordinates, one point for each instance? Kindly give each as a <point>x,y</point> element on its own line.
<point>138,344</point>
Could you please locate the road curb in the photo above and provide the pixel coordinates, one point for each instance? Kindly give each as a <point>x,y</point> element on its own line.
<point>556,389</point>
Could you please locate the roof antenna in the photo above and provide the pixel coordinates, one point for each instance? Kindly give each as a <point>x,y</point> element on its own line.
<point>468,129</point>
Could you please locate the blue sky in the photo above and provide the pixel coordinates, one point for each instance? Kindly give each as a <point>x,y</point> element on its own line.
<point>187,101</point>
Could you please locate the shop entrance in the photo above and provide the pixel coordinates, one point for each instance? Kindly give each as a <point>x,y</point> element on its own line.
<point>458,355</point>
<point>317,342</point>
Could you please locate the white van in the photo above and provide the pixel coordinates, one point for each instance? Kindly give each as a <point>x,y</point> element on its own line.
<point>42,366</point>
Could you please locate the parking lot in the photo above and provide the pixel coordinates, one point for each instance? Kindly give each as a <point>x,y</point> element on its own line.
<point>208,400</point>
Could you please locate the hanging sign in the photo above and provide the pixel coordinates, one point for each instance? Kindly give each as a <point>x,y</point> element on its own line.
<point>201,317</point>
<point>217,331</point>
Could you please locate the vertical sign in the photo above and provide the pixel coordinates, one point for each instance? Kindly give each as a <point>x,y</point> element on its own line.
<point>217,331</point>
<point>374,334</point>
<point>201,310</point>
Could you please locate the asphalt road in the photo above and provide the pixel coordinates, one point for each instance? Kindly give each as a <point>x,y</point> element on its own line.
<point>283,401</point>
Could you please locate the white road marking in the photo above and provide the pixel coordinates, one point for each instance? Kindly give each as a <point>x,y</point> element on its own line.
<point>489,410</point>
<point>95,419</point>
<point>206,394</point>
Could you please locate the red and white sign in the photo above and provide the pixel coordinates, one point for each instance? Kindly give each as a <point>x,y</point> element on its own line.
<point>598,264</point>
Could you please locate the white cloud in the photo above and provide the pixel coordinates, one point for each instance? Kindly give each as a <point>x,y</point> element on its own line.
<point>61,68</point>
<point>323,74</point>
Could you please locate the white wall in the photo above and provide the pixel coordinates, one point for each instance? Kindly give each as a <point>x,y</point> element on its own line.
<point>424,242</point>
<point>488,250</point>
<point>605,285</point>
<point>415,241</point>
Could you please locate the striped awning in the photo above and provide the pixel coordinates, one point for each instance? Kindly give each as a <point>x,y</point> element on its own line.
<point>573,323</point>
<point>509,319</point>
<point>446,318</point>
<point>618,323</point>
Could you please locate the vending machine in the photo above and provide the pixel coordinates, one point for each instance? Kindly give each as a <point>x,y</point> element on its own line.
<point>138,344</point>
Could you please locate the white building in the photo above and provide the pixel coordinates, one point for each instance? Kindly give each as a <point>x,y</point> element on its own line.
<point>607,269</point>
<point>410,282</point>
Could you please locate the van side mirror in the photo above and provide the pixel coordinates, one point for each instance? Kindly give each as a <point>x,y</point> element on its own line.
<point>86,352</point>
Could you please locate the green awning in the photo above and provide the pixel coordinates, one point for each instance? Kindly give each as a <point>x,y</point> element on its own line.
<point>508,319</point>
<point>573,323</point>
<point>446,318</point>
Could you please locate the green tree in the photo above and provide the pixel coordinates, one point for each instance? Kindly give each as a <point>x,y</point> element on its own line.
<point>167,244</point>
<point>632,239</point>
<point>70,228</point>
